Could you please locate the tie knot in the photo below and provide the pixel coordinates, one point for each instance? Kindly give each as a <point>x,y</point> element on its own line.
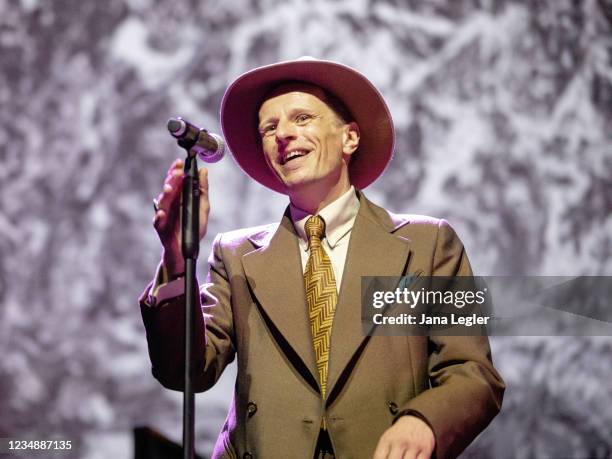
<point>315,227</point>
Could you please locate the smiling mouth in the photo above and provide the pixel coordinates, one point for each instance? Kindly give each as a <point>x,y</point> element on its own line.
<point>293,154</point>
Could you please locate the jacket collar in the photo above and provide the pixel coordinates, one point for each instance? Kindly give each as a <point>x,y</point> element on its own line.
<point>387,220</point>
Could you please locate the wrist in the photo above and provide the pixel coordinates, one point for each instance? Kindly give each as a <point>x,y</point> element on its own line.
<point>174,265</point>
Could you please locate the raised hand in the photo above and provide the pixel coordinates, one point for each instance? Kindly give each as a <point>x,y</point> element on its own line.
<point>167,219</point>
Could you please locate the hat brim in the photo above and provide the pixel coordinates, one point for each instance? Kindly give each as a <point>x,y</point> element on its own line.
<point>243,98</point>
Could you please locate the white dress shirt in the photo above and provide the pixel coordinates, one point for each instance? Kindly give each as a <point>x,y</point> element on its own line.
<point>339,217</point>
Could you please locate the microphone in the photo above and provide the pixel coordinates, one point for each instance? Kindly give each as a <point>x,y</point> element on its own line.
<point>209,147</point>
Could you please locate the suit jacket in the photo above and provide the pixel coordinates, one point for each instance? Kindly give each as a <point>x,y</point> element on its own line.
<point>255,310</point>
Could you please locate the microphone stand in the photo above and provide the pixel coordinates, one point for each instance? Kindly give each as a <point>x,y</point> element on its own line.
<point>190,244</point>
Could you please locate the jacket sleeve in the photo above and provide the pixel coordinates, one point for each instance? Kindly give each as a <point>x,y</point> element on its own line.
<point>466,391</point>
<point>214,334</point>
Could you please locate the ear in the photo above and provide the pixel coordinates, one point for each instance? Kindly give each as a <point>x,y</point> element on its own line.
<point>350,138</point>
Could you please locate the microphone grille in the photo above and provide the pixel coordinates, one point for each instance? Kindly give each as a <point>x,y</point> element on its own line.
<point>214,156</point>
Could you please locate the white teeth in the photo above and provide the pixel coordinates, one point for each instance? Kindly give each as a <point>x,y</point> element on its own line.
<point>294,153</point>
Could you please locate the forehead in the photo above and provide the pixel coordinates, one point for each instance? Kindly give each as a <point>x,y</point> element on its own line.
<point>299,93</point>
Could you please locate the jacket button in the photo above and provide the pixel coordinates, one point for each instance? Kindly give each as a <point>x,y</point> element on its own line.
<point>393,408</point>
<point>247,455</point>
<point>251,409</point>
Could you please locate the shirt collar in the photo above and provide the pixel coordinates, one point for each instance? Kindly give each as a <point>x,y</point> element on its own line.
<point>339,218</point>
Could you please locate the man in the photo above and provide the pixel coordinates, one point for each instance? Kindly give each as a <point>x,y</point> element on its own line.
<point>285,299</point>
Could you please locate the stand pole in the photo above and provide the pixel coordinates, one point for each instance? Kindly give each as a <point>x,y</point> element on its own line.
<point>190,244</point>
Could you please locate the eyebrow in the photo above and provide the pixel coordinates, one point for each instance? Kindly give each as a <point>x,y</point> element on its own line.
<point>292,113</point>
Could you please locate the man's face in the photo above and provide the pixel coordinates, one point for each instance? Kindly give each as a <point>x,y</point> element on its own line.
<point>304,141</point>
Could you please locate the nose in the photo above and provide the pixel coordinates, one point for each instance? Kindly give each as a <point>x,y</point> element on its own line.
<point>285,132</point>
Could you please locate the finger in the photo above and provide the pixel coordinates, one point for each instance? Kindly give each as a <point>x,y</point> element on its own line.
<point>398,451</point>
<point>203,183</point>
<point>169,196</point>
<point>422,455</point>
<point>203,179</point>
<point>176,164</point>
<point>175,173</point>
<point>159,219</point>
<point>411,452</point>
<point>382,450</point>
<point>161,198</point>
<point>175,176</point>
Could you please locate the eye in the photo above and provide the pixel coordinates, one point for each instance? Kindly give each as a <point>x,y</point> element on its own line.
<point>267,129</point>
<point>303,117</point>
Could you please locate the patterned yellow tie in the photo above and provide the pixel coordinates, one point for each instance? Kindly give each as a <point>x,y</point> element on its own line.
<point>321,295</point>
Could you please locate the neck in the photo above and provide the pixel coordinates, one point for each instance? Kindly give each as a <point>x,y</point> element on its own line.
<point>314,198</point>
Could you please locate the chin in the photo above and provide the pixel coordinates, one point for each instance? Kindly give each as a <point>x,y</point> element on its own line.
<point>305,184</point>
<point>297,182</point>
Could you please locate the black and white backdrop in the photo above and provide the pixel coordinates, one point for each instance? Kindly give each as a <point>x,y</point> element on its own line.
<point>503,112</point>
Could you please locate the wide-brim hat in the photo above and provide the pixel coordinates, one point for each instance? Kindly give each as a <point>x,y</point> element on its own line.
<point>243,98</point>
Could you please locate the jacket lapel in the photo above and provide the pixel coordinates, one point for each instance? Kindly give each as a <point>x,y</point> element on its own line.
<point>373,251</point>
<point>274,273</point>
